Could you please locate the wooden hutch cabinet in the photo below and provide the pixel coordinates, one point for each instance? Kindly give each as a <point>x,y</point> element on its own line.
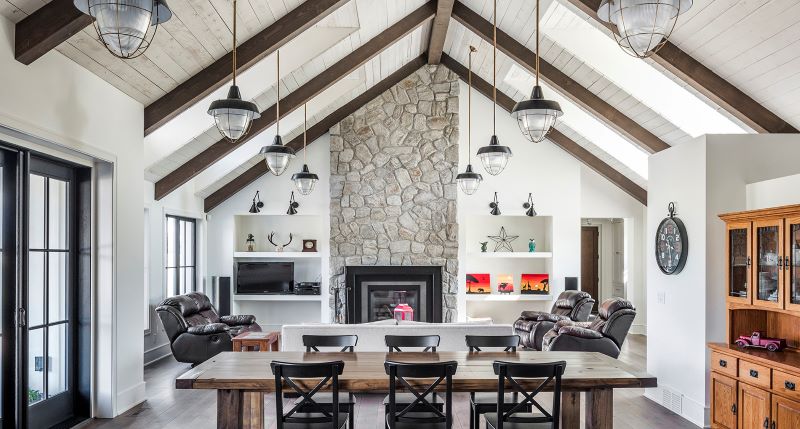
<point>754,388</point>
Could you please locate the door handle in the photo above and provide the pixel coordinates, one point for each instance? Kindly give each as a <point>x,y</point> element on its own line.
<point>787,263</point>
<point>22,318</point>
<point>733,409</point>
<point>766,423</point>
<point>748,261</point>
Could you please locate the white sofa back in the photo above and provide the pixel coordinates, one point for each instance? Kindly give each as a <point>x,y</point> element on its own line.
<point>371,335</point>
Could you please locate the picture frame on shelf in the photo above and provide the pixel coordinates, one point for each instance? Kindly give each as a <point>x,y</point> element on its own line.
<point>534,284</point>
<point>479,284</point>
<point>505,283</point>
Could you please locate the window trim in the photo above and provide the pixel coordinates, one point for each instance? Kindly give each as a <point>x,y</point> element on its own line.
<point>167,263</point>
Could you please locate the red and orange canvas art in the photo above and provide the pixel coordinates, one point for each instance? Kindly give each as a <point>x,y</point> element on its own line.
<point>535,284</point>
<point>479,283</point>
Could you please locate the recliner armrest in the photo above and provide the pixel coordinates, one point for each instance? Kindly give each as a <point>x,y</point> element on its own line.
<point>209,329</point>
<point>580,332</point>
<point>238,320</point>
<point>531,315</point>
<point>552,318</point>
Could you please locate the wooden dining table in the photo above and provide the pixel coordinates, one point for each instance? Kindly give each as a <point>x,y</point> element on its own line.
<point>242,379</point>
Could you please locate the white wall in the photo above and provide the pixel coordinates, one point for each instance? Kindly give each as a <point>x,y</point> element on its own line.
<point>56,100</point>
<point>772,193</point>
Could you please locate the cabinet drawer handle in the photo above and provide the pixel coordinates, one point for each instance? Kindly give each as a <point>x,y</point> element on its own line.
<point>788,385</point>
<point>723,363</point>
<point>753,373</point>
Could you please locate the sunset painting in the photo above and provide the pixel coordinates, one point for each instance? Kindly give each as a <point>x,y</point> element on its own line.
<point>535,284</point>
<point>479,283</point>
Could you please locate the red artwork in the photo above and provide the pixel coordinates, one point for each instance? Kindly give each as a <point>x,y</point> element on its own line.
<point>505,283</point>
<point>479,283</point>
<point>535,284</point>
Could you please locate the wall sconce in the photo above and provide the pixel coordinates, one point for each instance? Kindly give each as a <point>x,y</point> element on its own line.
<point>257,204</point>
<point>495,206</point>
<point>529,205</point>
<point>293,205</point>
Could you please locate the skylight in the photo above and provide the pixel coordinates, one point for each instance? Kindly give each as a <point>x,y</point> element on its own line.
<point>634,76</point>
<point>585,124</point>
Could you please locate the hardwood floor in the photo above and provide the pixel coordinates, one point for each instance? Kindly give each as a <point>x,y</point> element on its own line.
<point>194,409</point>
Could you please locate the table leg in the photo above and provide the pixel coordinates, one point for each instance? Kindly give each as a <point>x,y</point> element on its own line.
<point>570,410</point>
<point>599,409</point>
<point>237,409</point>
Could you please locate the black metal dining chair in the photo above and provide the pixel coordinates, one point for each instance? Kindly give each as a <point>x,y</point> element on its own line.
<point>345,344</point>
<point>486,402</point>
<point>421,413</point>
<point>428,343</point>
<point>307,413</point>
<point>518,417</point>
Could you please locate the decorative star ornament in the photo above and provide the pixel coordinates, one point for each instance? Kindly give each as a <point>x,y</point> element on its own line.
<point>503,240</point>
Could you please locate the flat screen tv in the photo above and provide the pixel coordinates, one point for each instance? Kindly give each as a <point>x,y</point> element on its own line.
<point>265,278</point>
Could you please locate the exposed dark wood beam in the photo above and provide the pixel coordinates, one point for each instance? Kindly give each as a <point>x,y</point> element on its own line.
<point>444,9</point>
<point>248,53</point>
<point>47,28</point>
<point>555,77</point>
<point>708,83</point>
<point>579,152</point>
<point>292,101</point>
<point>316,131</point>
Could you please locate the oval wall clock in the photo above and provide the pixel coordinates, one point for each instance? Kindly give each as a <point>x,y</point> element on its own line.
<point>672,244</point>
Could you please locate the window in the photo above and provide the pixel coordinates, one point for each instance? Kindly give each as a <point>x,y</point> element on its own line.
<point>146,270</point>
<point>181,255</point>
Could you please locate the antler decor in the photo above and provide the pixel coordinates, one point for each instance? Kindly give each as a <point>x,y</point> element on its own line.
<point>278,247</point>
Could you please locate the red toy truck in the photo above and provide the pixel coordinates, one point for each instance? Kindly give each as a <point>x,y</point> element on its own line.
<point>756,340</point>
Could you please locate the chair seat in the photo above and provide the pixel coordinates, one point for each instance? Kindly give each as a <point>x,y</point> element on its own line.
<point>324,398</point>
<point>418,424</point>
<point>489,398</point>
<point>403,399</point>
<point>297,425</point>
<point>491,422</point>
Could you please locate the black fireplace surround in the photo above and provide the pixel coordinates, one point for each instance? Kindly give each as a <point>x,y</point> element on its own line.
<point>372,292</point>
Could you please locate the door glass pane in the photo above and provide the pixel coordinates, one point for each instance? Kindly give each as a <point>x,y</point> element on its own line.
<point>767,239</point>
<point>57,214</point>
<point>171,276</point>
<point>794,263</point>
<point>171,245</point>
<point>57,360</point>
<point>738,262</point>
<point>37,211</point>
<point>36,365</point>
<point>36,272</point>
<point>190,243</point>
<point>57,286</point>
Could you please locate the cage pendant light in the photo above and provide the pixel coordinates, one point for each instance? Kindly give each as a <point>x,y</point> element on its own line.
<point>536,116</point>
<point>305,180</point>
<point>469,181</point>
<point>126,27</point>
<point>232,115</point>
<point>642,27</point>
<point>495,156</point>
<point>277,155</point>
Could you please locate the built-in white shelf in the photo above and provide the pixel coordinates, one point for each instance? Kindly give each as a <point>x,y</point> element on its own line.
<point>273,298</point>
<point>284,255</point>
<point>507,297</point>
<point>513,255</point>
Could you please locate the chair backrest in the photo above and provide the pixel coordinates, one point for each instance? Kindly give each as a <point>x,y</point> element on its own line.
<point>346,342</point>
<point>510,373</point>
<point>427,342</point>
<point>401,372</point>
<point>575,304</point>
<point>179,313</point>
<point>614,319</point>
<point>328,374</point>
<point>509,343</point>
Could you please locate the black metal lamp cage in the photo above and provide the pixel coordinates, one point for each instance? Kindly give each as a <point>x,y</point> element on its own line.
<point>126,27</point>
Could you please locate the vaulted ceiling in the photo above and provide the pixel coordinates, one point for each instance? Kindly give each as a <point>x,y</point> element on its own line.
<point>731,67</point>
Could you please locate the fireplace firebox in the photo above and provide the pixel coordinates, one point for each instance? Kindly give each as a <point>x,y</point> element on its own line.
<point>374,292</point>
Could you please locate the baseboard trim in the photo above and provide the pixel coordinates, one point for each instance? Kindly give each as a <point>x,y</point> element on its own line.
<point>156,354</point>
<point>639,329</point>
<point>130,398</point>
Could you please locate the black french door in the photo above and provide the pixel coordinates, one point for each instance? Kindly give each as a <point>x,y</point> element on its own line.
<point>45,316</point>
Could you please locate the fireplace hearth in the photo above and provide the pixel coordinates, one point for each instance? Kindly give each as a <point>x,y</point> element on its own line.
<point>374,291</point>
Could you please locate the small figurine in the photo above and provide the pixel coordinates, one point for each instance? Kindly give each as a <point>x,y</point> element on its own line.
<point>756,340</point>
<point>278,247</point>
<point>251,243</point>
<point>483,246</point>
<point>532,245</point>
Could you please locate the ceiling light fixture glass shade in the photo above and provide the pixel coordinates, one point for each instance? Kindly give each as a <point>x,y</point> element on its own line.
<point>469,181</point>
<point>642,27</point>
<point>536,116</point>
<point>305,180</point>
<point>232,115</point>
<point>495,156</point>
<point>126,27</point>
<point>277,156</point>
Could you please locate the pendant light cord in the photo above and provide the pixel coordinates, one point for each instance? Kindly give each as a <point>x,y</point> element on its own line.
<point>234,42</point>
<point>494,70</point>
<point>537,42</point>
<point>469,104</point>
<point>278,89</point>
<point>305,118</point>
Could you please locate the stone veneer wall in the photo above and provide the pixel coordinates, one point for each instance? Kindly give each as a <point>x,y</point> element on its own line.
<point>393,191</point>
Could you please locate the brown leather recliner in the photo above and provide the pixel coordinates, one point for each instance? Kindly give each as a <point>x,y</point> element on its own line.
<point>196,331</point>
<point>571,305</point>
<point>605,334</point>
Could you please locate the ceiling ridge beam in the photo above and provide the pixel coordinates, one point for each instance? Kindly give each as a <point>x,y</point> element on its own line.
<point>706,82</point>
<point>444,10</point>
<point>316,131</point>
<point>565,84</point>
<point>263,43</point>
<point>559,139</point>
<point>297,98</point>
<point>46,28</point>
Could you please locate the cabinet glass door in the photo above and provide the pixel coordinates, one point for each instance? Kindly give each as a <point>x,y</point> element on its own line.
<point>792,264</point>
<point>739,262</point>
<point>768,263</point>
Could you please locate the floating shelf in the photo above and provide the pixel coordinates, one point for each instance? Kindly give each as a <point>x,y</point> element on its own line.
<point>512,255</point>
<point>281,255</point>
<point>507,297</point>
<point>290,298</point>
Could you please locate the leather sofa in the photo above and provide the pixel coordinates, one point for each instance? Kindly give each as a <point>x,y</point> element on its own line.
<point>605,334</point>
<point>196,331</point>
<point>533,325</point>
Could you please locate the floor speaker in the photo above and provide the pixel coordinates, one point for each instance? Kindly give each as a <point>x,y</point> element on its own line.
<point>224,296</point>
<point>570,283</point>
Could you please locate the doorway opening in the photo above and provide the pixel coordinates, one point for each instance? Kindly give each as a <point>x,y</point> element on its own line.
<point>603,258</point>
